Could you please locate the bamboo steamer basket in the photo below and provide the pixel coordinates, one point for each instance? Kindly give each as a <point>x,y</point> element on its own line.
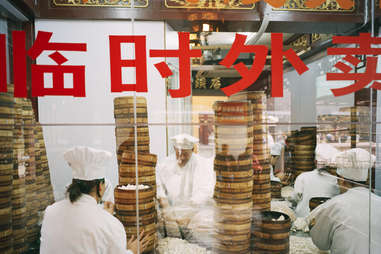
<point>268,235</point>
<point>229,249</point>
<point>131,169</point>
<point>132,180</point>
<point>233,163</point>
<point>147,228</point>
<point>235,207</point>
<point>130,100</point>
<point>233,169</point>
<point>234,185</point>
<point>232,106</point>
<point>124,194</point>
<point>235,174</point>
<point>276,188</point>
<point>143,159</point>
<point>232,238</point>
<point>316,201</point>
<point>133,174</point>
<point>228,195</point>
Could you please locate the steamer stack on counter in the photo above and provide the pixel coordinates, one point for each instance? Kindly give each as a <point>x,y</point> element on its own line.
<point>126,206</point>
<point>19,188</point>
<point>234,183</point>
<point>261,151</point>
<point>125,122</point>
<point>6,170</point>
<point>303,150</point>
<point>32,202</point>
<point>125,198</point>
<point>270,233</point>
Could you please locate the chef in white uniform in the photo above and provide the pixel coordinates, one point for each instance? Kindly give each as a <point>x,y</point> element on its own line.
<point>77,224</point>
<point>341,225</point>
<point>316,183</point>
<point>185,177</point>
<point>276,151</point>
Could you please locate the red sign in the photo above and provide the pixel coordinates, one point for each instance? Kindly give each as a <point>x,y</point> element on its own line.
<point>184,54</point>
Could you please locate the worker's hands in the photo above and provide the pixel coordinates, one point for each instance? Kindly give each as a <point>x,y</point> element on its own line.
<point>109,207</point>
<point>183,222</point>
<point>132,244</point>
<point>163,202</point>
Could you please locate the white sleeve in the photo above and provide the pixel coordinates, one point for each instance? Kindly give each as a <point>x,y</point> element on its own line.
<point>326,220</point>
<point>160,191</point>
<point>205,180</point>
<point>298,188</point>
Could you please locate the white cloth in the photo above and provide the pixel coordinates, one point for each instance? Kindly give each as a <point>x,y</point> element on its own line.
<point>181,185</point>
<point>313,184</point>
<point>87,163</point>
<point>342,223</point>
<point>80,228</point>
<point>354,164</point>
<point>184,141</point>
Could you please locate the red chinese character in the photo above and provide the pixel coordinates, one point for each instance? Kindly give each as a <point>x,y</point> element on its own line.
<point>184,54</point>
<point>3,64</point>
<point>361,79</point>
<point>249,76</point>
<point>42,43</point>
<point>116,63</point>
<point>277,54</point>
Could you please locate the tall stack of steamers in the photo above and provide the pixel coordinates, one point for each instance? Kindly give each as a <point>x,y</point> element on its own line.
<point>261,151</point>
<point>302,145</point>
<point>25,188</point>
<point>135,167</point>
<point>234,183</point>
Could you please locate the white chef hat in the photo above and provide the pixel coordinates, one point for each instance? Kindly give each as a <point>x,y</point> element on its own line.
<point>276,149</point>
<point>325,153</point>
<point>87,163</point>
<point>354,164</point>
<point>184,141</point>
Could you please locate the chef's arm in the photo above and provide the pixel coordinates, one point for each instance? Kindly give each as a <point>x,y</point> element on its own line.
<point>322,225</point>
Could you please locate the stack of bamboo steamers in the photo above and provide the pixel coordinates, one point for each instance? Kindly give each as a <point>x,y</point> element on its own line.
<point>303,150</point>
<point>19,188</point>
<point>22,193</point>
<point>234,183</point>
<point>6,171</point>
<point>125,122</point>
<point>126,201</point>
<point>261,151</point>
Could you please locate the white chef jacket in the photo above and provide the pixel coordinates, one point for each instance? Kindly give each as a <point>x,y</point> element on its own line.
<point>81,227</point>
<point>313,184</point>
<point>342,223</point>
<point>193,183</point>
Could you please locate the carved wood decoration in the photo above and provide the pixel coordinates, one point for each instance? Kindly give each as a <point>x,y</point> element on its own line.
<point>326,6</point>
<point>209,4</point>
<point>102,3</point>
